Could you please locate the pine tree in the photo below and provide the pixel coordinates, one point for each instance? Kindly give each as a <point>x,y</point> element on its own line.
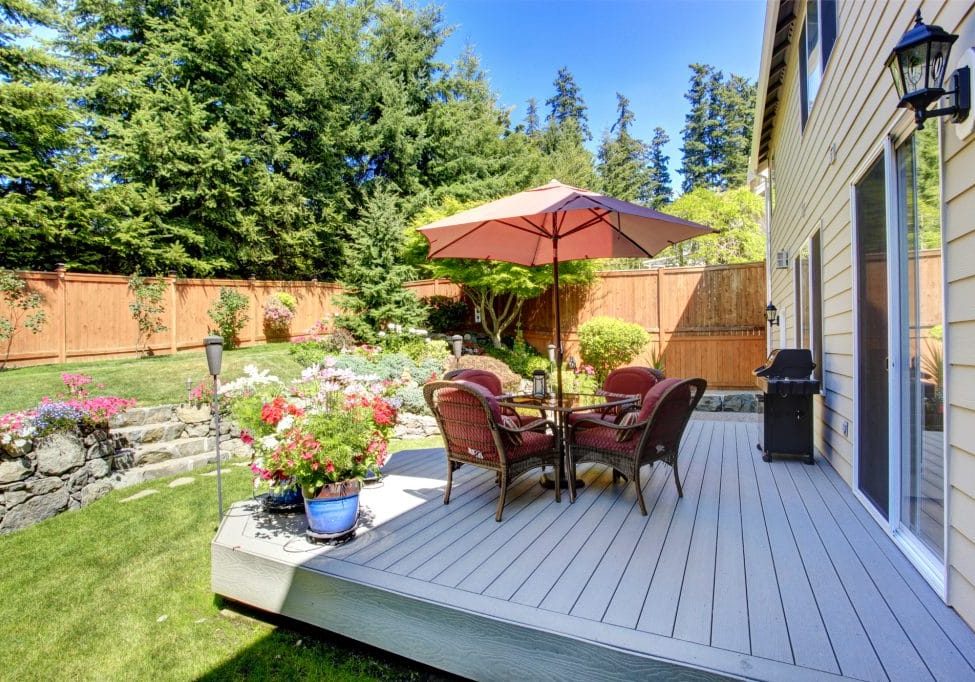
<point>622,169</point>
<point>565,157</point>
<point>657,191</point>
<point>532,125</point>
<point>374,272</point>
<point>736,104</point>
<point>45,207</point>
<point>567,103</point>
<point>717,130</point>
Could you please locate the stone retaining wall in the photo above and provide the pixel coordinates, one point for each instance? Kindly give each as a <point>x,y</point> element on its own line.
<point>55,473</point>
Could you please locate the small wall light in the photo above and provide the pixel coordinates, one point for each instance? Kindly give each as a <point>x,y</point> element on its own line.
<point>782,260</point>
<point>918,64</point>
<point>772,315</point>
<point>457,345</point>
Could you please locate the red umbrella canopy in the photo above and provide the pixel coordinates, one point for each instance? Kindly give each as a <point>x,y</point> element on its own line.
<point>556,222</point>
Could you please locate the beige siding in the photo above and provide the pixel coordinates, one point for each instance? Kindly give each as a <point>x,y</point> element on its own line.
<point>854,110</point>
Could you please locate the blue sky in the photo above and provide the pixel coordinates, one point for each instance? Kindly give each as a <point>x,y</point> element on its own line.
<point>640,48</point>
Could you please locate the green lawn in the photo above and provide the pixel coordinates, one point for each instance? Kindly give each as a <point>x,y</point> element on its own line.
<point>121,591</point>
<point>152,381</point>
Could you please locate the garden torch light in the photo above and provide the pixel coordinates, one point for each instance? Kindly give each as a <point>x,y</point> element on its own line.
<point>214,351</point>
<point>457,346</point>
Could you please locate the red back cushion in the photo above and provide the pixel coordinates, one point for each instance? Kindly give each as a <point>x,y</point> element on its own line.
<point>653,396</point>
<point>630,381</point>
<point>482,377</point>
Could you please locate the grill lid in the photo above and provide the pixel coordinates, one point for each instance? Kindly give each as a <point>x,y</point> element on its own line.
<point>792,363</point>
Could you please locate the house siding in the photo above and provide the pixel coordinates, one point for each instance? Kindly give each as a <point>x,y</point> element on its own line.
<point>855,109</point>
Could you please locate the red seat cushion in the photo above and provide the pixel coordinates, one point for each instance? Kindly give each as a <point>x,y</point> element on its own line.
<point>604,438</point>
<point>653,396</point>
<point>532,443</point>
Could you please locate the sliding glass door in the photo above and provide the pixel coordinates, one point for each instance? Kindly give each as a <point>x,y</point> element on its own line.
<point>900,447</point>
<point>922,384</point>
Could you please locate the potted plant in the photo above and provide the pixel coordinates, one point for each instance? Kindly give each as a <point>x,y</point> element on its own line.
<point>322,438</point>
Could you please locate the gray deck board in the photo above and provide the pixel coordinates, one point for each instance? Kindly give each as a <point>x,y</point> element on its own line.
<point>627,602</point>
<point>729,627</point>
<point>765,571</point>
<point>894,649</point>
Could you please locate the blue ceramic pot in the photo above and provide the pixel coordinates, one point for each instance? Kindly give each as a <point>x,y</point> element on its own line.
<point>284,496</point>
<point>334,509</point>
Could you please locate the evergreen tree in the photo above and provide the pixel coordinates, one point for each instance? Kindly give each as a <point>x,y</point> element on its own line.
<point>567,103</point>
<point>622,169</point>
<point>374,271</point>
<point>565,157</point>
<point>733,136</point>
<point>45,210</point>
<point>532,125</point>
<point>717,129</point>
<point>657,191</point>
<point>699,125</point>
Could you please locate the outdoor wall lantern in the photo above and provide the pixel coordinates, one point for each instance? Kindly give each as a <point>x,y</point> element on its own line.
<point>918,64</point>
<point>772,315</point>
<point>539,381</point>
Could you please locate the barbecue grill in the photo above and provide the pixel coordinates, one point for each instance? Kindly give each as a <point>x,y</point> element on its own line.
<point>785,381</point>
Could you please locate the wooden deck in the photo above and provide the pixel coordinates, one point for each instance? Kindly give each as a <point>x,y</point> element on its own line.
<point>763,571</point>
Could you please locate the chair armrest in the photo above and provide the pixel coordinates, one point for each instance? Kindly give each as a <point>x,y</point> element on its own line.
<point>589,422</point>
<point>531,426</point>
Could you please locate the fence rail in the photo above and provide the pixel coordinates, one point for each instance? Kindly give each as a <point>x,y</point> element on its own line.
<point>704,321</point>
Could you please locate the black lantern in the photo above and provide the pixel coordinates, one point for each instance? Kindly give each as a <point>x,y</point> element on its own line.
<point>539,383</point>
<point>772,315</point>
<point>919,63</point>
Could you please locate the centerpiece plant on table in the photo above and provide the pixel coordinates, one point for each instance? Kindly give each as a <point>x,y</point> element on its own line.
<point>322,435</point>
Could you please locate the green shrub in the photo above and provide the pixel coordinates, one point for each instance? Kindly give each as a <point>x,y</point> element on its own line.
<point>412,400</point>
<point>287,300</point>
<point>227,313</point>
<point>607,343</point>
<point>522,358</point>
<point>446,315</point>
<point>147,309</point>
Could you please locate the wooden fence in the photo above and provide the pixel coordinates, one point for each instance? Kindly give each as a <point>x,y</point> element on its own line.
<point>706,321</point>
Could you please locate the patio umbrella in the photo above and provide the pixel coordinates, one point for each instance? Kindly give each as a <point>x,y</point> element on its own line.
<point>555,223</point>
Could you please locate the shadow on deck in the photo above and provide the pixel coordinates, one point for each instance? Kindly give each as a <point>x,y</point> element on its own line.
<point>764,571</point>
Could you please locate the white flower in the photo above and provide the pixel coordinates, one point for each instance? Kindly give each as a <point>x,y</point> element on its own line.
<point>5,439</point>
<point>269,442</point>
<point>286,423</point>
<point>20,442</point>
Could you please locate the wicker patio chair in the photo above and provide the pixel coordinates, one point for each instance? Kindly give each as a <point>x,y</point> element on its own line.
<point>655,435</point>
<point>622,381</point>
<point>473,432</point>
<point>492,383</point>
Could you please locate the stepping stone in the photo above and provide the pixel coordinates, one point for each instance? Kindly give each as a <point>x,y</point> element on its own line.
<point>209,473</point>
<point>177,482</point>
<point>139,495</point>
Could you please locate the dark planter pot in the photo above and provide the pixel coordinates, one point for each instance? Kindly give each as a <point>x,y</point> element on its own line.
<point>282,498</point>
<point>334,510</point>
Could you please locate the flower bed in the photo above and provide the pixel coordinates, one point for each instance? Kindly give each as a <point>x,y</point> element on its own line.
<point>55,456</point>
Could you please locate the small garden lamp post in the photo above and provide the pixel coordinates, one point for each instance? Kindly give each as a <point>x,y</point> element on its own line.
<point>771,315</point>
<point>214,351</point>
<point>918,64</point>
<point>457,347</point>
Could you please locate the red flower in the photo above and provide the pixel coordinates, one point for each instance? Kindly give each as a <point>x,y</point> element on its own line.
<point>330,467</point>
<point>246,437</point>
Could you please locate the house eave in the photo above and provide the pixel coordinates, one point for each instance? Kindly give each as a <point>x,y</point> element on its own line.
<point>780,17</point>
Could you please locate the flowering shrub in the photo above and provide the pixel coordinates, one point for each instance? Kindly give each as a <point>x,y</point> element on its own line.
<point>16,429</point>
<point>333,425</point>
<point>202,393</point>
<point>77,384</point>
<point>279,311</point>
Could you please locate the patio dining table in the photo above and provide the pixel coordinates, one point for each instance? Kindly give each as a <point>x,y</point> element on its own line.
<point>561,410</point>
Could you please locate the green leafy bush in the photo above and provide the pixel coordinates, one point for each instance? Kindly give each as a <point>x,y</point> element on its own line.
<point>446,315</point>
<point>227,313</point>
<point>521,358</point>
<point>147,309</point>
<point>24,306</point>
<point>412,400</point>
<point>607,343</point>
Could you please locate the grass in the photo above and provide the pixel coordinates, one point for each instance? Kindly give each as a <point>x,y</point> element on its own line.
<point>153,381</point>
<point>122,591</point>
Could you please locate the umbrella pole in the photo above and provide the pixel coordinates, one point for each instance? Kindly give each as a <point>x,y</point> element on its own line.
<point>558,321</point>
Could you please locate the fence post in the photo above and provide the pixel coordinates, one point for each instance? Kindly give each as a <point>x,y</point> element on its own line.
<point>171,281</point>
<point>61,307</point>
